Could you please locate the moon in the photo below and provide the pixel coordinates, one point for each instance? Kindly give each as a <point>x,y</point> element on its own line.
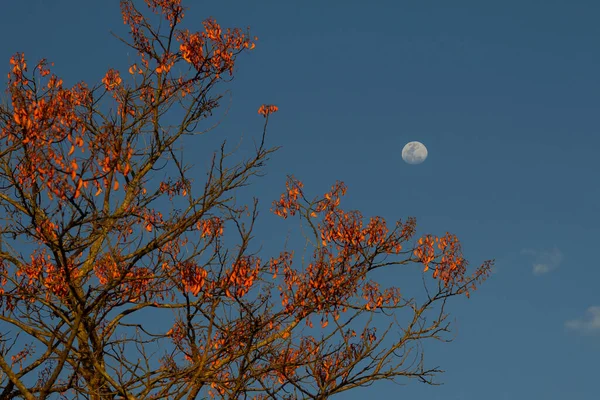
<point>414,153</point>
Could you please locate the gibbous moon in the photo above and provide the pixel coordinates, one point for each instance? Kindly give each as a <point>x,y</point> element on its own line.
<point>414,153</point>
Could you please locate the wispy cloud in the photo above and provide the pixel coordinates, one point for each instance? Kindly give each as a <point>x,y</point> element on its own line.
<point>544,261</point>
<point>588,325</point>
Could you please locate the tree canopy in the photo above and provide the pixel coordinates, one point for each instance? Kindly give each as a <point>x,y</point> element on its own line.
<point>93,237</point>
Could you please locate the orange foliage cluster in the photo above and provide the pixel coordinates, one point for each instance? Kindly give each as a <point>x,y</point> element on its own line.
<point>224,46</point>
<point>267,109</point>
<point>192,276</point>
<point>172,189</point>
<point>171,9</point>
<point>134,18</point>
<point>451,266</point>
<point>241,277</point>
<point>329,282</point>
<point>46,231</point>
<point>42,270</point>
<point>44,124</point>
<point>41,125</point>
<point>194,47</point>
<point>324,368</point>
<point>288,202</point>
<point>287,362</point>
<point>210,52</point>
<point>152,219</point>
<point>19,67</point>
<point>284,261</point>
<point>112,79</point>
<point>376,299</point>
<point>137,281</point>
<point>212,227</point>
<point>106,270</point>
<point>22,355</point>
<point>51,127</point>
<point>132,282</point>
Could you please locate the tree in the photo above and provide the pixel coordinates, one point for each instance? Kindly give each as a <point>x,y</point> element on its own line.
<point>92,236</point>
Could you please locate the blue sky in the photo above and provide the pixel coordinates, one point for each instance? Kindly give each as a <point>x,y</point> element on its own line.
<point>505,96</point>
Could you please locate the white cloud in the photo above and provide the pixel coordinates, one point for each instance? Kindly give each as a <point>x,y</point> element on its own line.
<point>540,269</point>
<point>589,325</point>
<point>544,261</point>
